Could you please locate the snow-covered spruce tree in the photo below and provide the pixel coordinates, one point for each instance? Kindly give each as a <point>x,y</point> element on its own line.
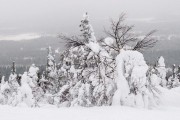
<point>161,72</point>
<point>10,87</point>
<point>173,80</point>
<point>33,73</point>
<point>178,73</point>
<point>102,82</point>
<point>24,92</point>
<point>87,29</point>
<point>5,91</point>
<point>12,78</point>
<point>38,92</point>
<point>51,73</point>
<point>0,77</point>
<point>89,84</point>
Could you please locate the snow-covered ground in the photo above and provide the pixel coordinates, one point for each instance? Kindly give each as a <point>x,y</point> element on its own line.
<point>95,113</point>
<point>169,109</point>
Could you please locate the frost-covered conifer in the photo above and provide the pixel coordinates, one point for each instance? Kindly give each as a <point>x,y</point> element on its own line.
<point>84,65</point>
<point>51,72</point>
<point>51,66</point>
<point>25,92</point>
<point>173,80</point>
<point>33,73</point>
<point>5,91</point>
<point>12,78</point>
<point>161,71</point>
<point>87,29</point>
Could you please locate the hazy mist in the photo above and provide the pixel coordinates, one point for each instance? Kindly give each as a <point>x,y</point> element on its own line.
<point>63,16</point>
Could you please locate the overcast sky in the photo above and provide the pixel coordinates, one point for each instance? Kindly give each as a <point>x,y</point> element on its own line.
<point>32,17</point>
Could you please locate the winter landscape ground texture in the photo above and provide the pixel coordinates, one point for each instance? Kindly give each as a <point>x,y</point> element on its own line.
<point>169,110</point>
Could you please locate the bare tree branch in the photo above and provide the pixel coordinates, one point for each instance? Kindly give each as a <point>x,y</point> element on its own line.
<point>72,41</point>
<point>123,35</point>
<point>147,42</point>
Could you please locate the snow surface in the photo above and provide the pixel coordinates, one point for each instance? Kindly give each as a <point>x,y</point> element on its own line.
<point>168,110</point>
<point>93,113</point>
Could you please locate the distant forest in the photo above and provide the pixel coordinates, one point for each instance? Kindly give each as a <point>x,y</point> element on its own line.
<point>20,69</point>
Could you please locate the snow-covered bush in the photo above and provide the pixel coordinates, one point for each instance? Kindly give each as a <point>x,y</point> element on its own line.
<point>161,71</point>
<point>132,83</point>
